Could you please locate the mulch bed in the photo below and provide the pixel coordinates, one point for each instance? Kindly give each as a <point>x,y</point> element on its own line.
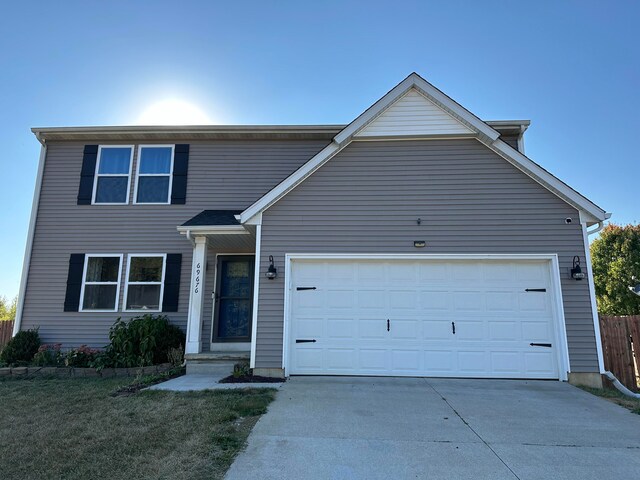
<point>251,379</point>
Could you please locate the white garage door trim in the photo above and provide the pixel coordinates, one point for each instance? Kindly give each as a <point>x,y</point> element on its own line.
<point>558,309</point>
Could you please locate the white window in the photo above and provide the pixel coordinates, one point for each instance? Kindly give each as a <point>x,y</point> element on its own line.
<point>155,169</point>
<point>101,282</point>
<point>113,173</point>
<point>145,283</point>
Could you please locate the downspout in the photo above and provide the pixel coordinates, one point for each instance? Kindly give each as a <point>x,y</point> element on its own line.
<point>616,383</point>
<point>31,233</point>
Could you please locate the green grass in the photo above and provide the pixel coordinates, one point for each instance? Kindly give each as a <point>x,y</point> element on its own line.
<point>616,397</point>
<point>76,428</point>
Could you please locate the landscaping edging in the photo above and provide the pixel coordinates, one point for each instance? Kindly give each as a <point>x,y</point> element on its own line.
<point>84,372</point>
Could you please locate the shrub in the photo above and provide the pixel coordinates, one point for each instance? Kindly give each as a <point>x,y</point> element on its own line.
<point>81,357</point>
<point>143,341</point>
<point>241,370</point>
<point>49,356</point>
<point>176,356</point>
<point>21,348</point>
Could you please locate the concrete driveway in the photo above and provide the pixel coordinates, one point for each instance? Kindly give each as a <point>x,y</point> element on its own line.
<point>396,428</point>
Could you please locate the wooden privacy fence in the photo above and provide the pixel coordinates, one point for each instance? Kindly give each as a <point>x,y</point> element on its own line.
<point>6,329</point>
<point>621,348</point>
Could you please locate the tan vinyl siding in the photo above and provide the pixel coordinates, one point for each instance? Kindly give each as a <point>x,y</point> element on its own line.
<point>367,200</point>
<point>222,175</point>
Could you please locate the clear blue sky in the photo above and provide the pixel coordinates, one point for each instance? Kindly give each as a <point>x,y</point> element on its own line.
<point>572,67</point>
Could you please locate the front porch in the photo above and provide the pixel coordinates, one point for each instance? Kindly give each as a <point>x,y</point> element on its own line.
<point>223,287</point>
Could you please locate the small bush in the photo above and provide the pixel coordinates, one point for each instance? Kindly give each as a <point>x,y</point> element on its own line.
<point>49,356</point>
<point>143,341</point>
<point>81,357</point>
<point>241,370</point>
<point>176,356</point>
<point>21,348</point>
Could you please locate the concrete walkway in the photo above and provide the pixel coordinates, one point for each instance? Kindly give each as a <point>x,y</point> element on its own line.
<point>394,428</point>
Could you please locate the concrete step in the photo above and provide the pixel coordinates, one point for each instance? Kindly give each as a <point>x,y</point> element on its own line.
<point>218,369</point>
<point>218,357</point>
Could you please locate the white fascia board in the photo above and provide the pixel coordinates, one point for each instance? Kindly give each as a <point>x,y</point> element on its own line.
<point>214,230</point>
<point>291,182</point>
<point>547,180</point>
<point>26,262</point>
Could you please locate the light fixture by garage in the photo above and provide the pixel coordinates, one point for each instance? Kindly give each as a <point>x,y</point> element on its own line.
<point>576,271</point>
<point>271,271</point>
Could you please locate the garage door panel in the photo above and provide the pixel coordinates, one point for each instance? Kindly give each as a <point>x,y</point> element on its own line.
<point>472,361</point>
<point>495,319</point>
<point>469,330</point>
<point>436,330</point>
<point>506,362</point>
<point>374,359</point>
<point>469,301</point>
<point>504,330</point>
<point>541,362</point>
<point>341,328</point>
<point>372,299</point>
<point>434,300</point>
<point>372,328</point>
<point>406,361</point>
<point>405,329</point>
<point>310,327</point>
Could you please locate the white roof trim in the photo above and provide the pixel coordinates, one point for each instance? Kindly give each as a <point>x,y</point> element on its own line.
<point>213,229</point>
<point>485,134</point>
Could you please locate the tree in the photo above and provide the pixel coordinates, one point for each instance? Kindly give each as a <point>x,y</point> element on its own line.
<point>616,267</point>
<point>8,308</point>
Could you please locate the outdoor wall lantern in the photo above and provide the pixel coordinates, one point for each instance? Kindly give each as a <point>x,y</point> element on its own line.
<point>271,271</point>
<point>576,271</point>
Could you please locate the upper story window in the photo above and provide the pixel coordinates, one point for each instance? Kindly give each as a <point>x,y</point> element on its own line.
<point>101,283</point>
<point>113,174</point>
<point>154,176</point>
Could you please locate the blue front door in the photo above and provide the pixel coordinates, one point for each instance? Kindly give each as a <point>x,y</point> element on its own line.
<point>234,299</point>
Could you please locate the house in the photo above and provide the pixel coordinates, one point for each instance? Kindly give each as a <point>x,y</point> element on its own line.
<point>418,240</point>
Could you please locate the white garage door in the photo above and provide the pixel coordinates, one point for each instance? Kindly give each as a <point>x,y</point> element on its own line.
<point>449,318</point>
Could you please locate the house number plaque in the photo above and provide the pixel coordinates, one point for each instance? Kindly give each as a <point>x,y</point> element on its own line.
<point>197,279</point>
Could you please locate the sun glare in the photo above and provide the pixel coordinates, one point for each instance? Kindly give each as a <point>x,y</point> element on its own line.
<point>173,112</point>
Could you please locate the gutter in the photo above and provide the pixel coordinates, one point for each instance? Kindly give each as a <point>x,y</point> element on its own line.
<point>30,235</point>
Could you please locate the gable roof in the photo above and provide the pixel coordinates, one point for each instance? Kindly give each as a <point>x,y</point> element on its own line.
<point>464,121</point>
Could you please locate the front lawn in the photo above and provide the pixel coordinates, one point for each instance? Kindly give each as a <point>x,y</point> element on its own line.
<point>616,397</point>
<point>75,428</point>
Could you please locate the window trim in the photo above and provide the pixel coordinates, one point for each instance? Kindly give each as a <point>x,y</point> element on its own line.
<point>138,174</point>
<point>127,283</point>
<point>87,256</point>
<point>97,175</point>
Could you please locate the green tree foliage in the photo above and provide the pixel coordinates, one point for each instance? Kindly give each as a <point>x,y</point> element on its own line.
<point>8,308</point>
<point>616,267</point>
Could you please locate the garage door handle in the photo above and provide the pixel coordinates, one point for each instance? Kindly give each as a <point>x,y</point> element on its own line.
<point>535,289</point>
<point>305,341</point>
<point>305,288</point>
<point>548,345</point>
<point>453,327</point>
<point>388,325</point>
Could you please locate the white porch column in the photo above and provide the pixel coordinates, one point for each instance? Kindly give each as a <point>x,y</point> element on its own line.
<point>196,295</point>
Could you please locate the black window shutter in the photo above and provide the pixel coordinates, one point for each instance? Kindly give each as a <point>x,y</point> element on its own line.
<point>180,168</point>
<point>89,158</point>
<point>172,282</point>
<point>74,282</point>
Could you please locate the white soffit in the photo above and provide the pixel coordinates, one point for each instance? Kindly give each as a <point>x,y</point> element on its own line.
<point>413,114</point>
